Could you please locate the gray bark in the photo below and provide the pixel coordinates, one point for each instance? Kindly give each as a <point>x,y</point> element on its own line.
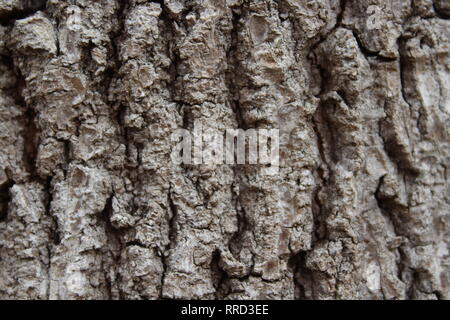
<point>92,207</point>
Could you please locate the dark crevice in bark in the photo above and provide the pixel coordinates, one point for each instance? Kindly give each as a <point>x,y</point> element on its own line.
<point>322,130</point>
<point>340,17</point>
<point>294,263</point>
<point>343,95</point>
<point>15,91</point>
<point>404,163</point>
<point>58,35</point>
<point>115,244</point>
<point>387,205</point>
<point>323,38</point>
<point>108,284</point>
<point>163,276</point>
<point>396,213</point>
<point>136,243</point>
<point>160,2</point>
<point>327,132</point>
<point>233,71</point>
<point>403,64</point>
<point>29,8</point>
<point>113,234</point>
<point>172,226</point>
<point>111,73</point>
<point>30,130</point>
<point>87,65</point>
<point>317,208</point>
<point>393,150</point>
<point>124,131</point>
<point>172,222</point>
<point>367,52</point>
<point>218,275</point>
<point>31,141</point>
<point>441,13</point>
<point>324,74</point>
<point>303,277</point>
<point>67,156</point>
<point>49,266</point>
<point>236,242</point>
<point>172,52</point>
<point>311,56</point>
<point>55,236</point>
<point>5,198</point>
<point>115,39</point>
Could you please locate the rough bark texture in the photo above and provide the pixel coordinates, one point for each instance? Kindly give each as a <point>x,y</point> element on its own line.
<point>92,207</point>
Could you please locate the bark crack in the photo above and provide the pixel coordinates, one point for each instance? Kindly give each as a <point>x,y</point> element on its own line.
<point>29,7</point>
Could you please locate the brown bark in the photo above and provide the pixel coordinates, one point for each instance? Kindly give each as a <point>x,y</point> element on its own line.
<point>93,207</point>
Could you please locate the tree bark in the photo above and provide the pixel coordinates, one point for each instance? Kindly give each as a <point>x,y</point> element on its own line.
<point>93,207</point>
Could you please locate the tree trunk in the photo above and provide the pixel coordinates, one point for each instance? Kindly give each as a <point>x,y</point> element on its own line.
<point>92,205</point>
